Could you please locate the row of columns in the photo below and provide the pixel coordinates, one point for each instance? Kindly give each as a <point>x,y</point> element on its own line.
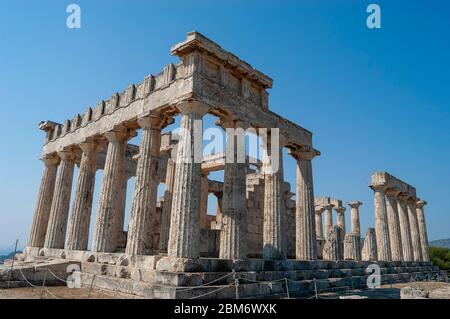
<point>180,217</point>
<point>328,209</point>
<point>400,227</point>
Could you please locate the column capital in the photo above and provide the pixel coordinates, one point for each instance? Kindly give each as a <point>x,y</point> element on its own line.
<point>402,197</point>
<point>421,203</point>
<point>319,210</point>
<point>232,121</point>
<point>92,145</point>
<point>120,133</point>
<point>340,210</point>
<point>378,188</point>
<point>50,159</point>
<point>154,120</point>
<point>354,204</point>
<point>68,154</point>
<point>391,192</point>
<point>193,106</point>
<point>328,207</point>
<point>302,154</point>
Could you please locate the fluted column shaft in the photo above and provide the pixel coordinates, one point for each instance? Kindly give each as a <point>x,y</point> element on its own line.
<point>328,217</point>
<point>274,227</point>
<point>184,234</point>
<point>105,235</point>
<point>341,218</point>
<point>44,202</point>
<point>305,224</point>
<point>356,228</point>
<point>394,226</point>
<point>82,205</point>
<point>57,225</point>
<point>422,229</point>
<point>167,205</point>
<point>233,234</point>
<point>381,226</point>
<point>319,226</point>
<point>143,211</point>
<point>414,227</point>
<point>405,229</point>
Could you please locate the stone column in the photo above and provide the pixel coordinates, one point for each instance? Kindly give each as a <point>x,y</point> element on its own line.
<point>305,228</point>
<point>414,227</point>
<point>203,211</point>
<point>184,222</point>
<point>233,234</point>
<point>352,247</point>
<point>341,218</point>
<point>394,225</point>
<point>404,228</point>
<point>369,251</point>
<point>143,211</point>
<point>167,205</point>
<point>319,227</point>
<point>274,229</point>
<point>381,225</point>
<point>119,219</point>
<point>82,205</point>
<point>56,230</point>
<point>422,229</point>
<point>105,235</point>
<point>328,217</point>
<point>44,201</point>
<point>356,228</point>
<point>333,249</point>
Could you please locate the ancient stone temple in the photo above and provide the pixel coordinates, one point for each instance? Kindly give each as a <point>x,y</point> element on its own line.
<point>261,231</point>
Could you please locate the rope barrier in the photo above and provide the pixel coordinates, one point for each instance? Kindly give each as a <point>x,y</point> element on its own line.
<point>26,280</point>
<point>206,284</point>
<point>54,275</point>
<point>211,292</point>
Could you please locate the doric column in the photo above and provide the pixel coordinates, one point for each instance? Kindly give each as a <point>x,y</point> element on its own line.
<point>319,227</point>
<point>143,209</point>
<point>82,205</point>
<point>381,225</point>
<point>340,211</point>
<point>422,229</point>
<point>328,217</point>
<point>56,230</point>
<point>274,229</point>
<point>394,225</point>
<point>233,234</point>
<point>167,205</point>
<point>405,231</point>
<point>105,235</point>
<point>356,228</point>
<point>414,227</point>
<point>44,201</point>
<point>369,251</point>
<point>119,218</point>
<point>305,228</point>
<point>184,222</point>
<point>203,211</point>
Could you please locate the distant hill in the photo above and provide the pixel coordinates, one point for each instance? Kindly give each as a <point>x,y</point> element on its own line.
<point>444,243</point>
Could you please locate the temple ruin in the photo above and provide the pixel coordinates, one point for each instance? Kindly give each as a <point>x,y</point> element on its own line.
<point>262,231</point>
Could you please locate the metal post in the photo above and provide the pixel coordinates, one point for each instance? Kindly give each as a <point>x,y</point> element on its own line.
<point>92,285</point>
<point>315,288</point>
<point>12,263</point>
<point>236,284</point>
<point>287,287</point>
<point>43,284</point>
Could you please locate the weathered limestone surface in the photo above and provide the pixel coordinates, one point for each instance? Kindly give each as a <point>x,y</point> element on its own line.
<point>306,241</point>
<point>381,225</point>
<point>333,249</point>
<point>82,206</point>
<point>352,247</point>
<point>394,225</point>
<point>404,228</point>
<point>319,227</point>
<point>328,217</point>
<point>143,211</point>
<point>105,235</point>
<point>44,202</point>
<point>57,224</point>
<point>341,217</point>
<point>184,221</point>
<point>422,229</point>
<point>414,227</point>
<point>369,251</point>
<point>167,205</point>
<point>356,228</point>
<point>274,241</point>
<point>233,235</point>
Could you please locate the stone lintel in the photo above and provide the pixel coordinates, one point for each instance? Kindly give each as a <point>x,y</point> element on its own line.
<point>327,201</point>
<point>386,182</point>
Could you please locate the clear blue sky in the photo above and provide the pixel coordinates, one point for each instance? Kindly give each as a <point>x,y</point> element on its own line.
<point>376,100</point>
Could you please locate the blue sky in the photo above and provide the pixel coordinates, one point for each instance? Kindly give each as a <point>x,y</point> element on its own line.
<point>376,100</point>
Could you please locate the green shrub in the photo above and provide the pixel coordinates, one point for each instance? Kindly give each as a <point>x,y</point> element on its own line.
<point>440,257</point>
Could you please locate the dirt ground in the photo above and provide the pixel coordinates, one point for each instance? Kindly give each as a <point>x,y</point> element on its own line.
<point>61,292</point>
